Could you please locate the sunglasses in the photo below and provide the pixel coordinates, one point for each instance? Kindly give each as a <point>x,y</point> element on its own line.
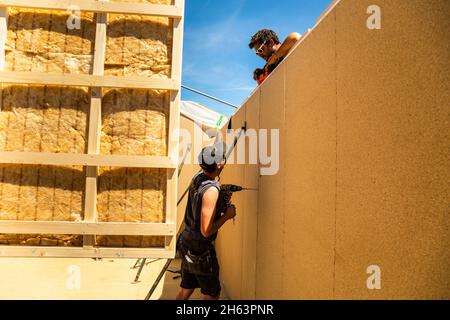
<point>260,49</point>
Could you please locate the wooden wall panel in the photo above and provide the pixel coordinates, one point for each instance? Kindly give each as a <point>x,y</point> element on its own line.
<point>250,209</point>
<point>229,242</point>
<point>393,149</point>
<point>271,213</point>
<point>364,173</point>
<point>310,162</point>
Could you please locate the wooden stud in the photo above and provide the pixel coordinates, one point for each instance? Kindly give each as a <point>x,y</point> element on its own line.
<point>74,252</point>
<point>174,125</point>
<point>86,80</point>
<point>95,125</point>
<point>3,35</point>
<point>99,7</point>
<point>86,228</point>
<point>95,160</point>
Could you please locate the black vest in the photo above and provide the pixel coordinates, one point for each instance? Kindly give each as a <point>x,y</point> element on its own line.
<point>192,219</point>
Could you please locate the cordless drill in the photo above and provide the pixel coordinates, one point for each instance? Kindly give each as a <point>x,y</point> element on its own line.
<point>231,188</point>
<point>227,189</point>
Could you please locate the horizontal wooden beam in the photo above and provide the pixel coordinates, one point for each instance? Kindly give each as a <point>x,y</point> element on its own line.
<point>86,80</point>
<point>98,6</point>
<point>80,252</point>
<point>97,160</point>
<point>86,228</point>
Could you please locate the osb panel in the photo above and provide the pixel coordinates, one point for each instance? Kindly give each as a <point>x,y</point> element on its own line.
<point>311,157</point>
<point>239,265</point>
<point>249,212</point>
<point>271,208</point>
<point>393,150</point>
<point>229,242</point>
<point>54,119</point>
<point>367,124</point>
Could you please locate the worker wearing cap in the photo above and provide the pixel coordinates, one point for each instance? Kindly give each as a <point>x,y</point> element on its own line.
<point>268,46</point>
<point>205,214</point>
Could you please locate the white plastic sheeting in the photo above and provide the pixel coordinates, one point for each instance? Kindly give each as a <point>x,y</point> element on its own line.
<point>203,115</point>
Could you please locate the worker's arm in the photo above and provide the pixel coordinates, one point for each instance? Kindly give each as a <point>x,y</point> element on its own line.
<point>208,226</point>
<point>284,49</point>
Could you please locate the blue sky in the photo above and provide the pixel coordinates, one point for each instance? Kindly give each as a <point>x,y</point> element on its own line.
<point>216,57</point>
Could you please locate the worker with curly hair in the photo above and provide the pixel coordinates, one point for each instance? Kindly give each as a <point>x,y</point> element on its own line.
<point>268,46</point>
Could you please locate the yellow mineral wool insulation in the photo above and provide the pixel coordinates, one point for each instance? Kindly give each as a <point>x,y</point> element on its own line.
<point>39,41</point>
<point>138,45</point>
<point>41,240</point>
<point>131,195</point>
<point>135,122</point>
<point>41,193</point>
<point>53,119</point>
<point>44,119</point>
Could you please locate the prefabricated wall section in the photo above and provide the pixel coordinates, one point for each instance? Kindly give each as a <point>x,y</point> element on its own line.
<point>55,119</point>
<point>359,208</point>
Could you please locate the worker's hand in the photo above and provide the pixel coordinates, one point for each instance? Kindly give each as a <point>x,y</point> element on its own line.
<point>230,212</point>
<point>227,196</point>
<point>272,60</point>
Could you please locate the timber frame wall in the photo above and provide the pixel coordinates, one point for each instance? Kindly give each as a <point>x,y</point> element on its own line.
<point>89,227</point>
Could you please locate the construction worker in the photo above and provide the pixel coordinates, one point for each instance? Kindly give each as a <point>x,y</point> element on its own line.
<point>205,214</point>
<point>267,46</point>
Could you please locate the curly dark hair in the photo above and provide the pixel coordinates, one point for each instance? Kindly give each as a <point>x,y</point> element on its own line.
<point>262,36</point>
